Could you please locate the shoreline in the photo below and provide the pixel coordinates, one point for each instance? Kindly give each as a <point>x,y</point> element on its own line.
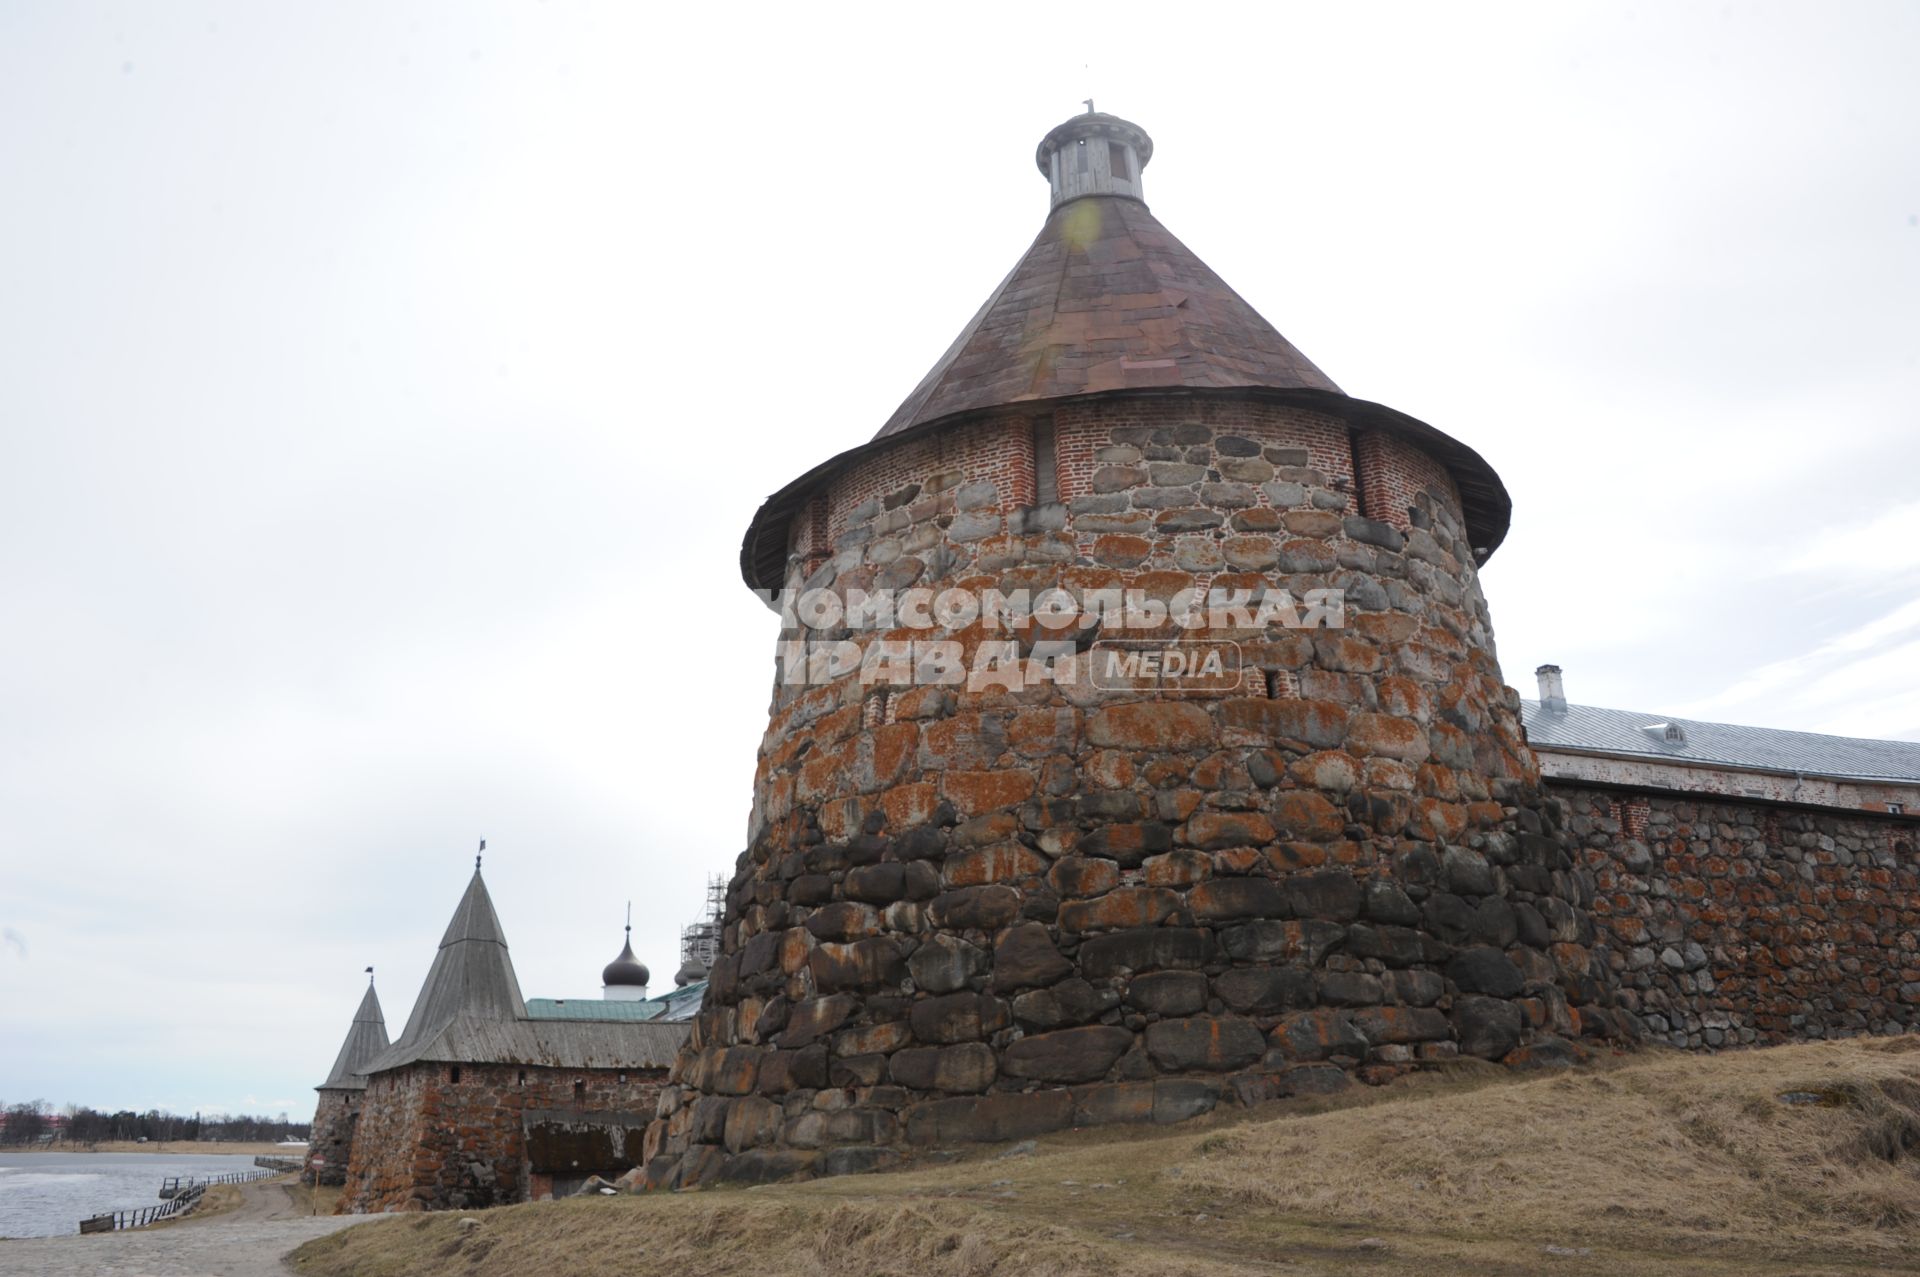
<point>176,1147</point>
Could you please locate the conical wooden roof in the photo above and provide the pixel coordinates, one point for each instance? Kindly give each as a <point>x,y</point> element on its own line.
<point>1105,299</point>
<point>471,979</point>
<point>366,1039</point>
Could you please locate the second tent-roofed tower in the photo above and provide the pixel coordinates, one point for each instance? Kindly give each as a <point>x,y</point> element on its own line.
<point>987,909</point>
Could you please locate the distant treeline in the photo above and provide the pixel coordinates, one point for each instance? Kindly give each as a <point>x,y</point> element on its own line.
<point>38,1122</point>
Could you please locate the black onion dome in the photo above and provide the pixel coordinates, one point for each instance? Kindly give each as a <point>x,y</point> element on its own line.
<point>626,969</point>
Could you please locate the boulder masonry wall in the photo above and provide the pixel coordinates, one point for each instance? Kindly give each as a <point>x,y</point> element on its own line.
<point>981,912</point>
<point>1733,923</point>
<point>334,1119</point>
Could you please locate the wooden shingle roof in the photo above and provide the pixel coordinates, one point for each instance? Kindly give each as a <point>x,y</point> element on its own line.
<point>471,981</point>
<point>366,1038</point>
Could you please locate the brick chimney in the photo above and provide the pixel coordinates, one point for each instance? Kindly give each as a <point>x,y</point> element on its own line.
<point>1553,693</point>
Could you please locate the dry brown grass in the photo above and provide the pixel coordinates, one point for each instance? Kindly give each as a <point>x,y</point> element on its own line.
<point>311,1200</point>
<point>221,1199</point>
<point>1681,1152</point>
<point>726,1235</point>
<point>1665,1164</point>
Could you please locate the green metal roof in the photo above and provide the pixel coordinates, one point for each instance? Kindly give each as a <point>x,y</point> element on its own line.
<point>591,1009</point>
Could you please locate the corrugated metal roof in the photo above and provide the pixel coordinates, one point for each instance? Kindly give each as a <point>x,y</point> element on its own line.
<point>366,1038</point>
<point>589,1009</point>
<point>1623,732</point>
<point>471,979</point>
<point>684,1003</point>
<point>567,1044</point>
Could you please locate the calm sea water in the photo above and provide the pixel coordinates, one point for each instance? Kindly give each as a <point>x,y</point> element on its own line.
<point>47,1194</point>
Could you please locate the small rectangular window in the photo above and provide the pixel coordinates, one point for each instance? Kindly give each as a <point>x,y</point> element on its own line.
<point>453,1074</point>
<point>1046,463</point>
<point>579,1092</point>
<point>1898,809</point>
<point>1080,156</point>
<point>1117,161</point>
<point>1360,506</point>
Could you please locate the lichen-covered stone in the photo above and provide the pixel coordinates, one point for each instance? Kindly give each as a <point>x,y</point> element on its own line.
<point>992,911</point>
<point>1215,1043</point>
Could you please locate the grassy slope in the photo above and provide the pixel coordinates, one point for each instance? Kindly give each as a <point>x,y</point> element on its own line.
<point>1663,1164</point>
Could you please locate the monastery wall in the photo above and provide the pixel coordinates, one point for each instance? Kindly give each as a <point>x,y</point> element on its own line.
<point>1735,922</point>
<point>462,1137</point>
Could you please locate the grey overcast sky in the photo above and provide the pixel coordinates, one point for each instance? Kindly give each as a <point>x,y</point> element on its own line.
<point>384,388</point>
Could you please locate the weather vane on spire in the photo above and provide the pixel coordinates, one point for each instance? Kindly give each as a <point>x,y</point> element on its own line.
<point>1089,102</point>
<point>477,855</point>
<point>369,975</point>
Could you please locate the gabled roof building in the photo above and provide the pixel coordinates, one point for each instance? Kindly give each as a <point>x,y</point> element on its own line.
<point>1623,748</point>
<point>481,1101</point>
<point>1750,884</point>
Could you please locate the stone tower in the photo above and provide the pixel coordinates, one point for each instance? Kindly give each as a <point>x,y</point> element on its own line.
<point>1070,888</point>
<point>337,1112</point>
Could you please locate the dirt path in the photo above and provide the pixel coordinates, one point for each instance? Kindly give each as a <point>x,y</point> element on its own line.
<point>245,1242</point>
<point>269,1201</point>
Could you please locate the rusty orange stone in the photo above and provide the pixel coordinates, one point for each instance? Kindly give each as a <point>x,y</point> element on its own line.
<point>1213,830</point>
<point>1121,551</point>
<point>1384,734</point>
<point>1121,907</point>
<point>975,792</point>
<point>1303,815</point>
<point>909,805</point>
<point>1006,862</point>
<point>1155,725</point>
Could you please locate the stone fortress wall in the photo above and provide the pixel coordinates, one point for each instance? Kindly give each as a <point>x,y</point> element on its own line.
<point>982,913</point>
<point>1733,922</point>
<point>460,1137</point>
<point>335,1116</point>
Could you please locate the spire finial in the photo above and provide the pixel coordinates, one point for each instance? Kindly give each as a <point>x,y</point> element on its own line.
<point>629,917</point>
<point>1089,102</point>
<point>478,854</point>
<point>369,977</point>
